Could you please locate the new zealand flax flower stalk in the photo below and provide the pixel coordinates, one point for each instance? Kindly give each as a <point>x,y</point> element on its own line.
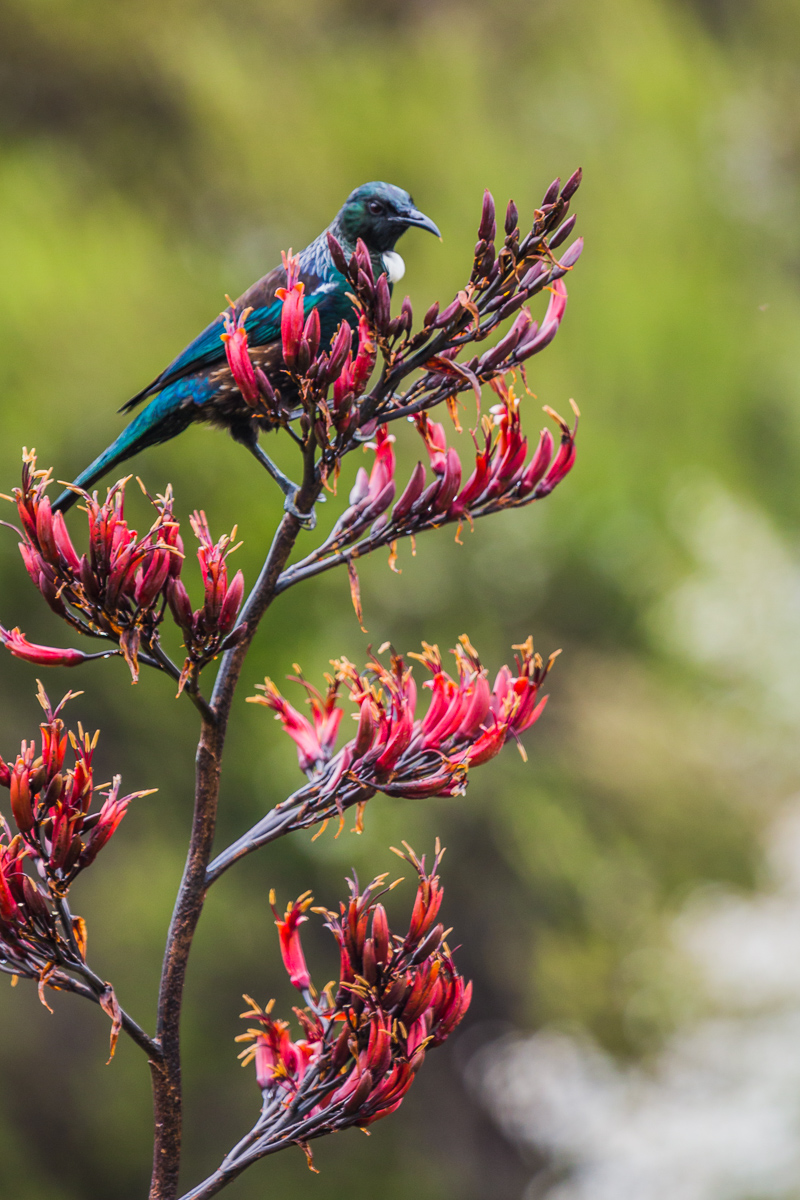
<point>360,1042</point>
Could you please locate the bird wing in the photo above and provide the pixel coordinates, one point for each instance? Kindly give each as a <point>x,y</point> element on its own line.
<point>263,325</point>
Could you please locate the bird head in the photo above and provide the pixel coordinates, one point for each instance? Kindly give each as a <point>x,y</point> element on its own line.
<point>379,214</point>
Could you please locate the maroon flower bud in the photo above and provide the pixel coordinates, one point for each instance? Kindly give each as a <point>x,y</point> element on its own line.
<point>571,186</point>
<point>340,347</point>
<point>337,254</point>
<point>572,253</point>
<point>382,303</point>
<point>487,228</point>
<point>563,232</point>
<point>411,493</point>
<point>551,193</point>
<point>431,315</point>
<point>512,218</point>
<point>312,333</point>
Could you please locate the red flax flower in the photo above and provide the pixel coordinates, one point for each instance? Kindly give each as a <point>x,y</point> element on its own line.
<point>251,381</point>
<point>467,722</point>
<point>363,1040</point>
<point>212,629</point>
<point>57,834</point>
<point>42,656</point>
<point>292,313</point>
<point>116,589</point>
<point>504,476</point>
<point>315,741</point>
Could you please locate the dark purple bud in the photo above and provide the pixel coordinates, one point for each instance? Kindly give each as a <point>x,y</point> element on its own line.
<point>487,228</point>
<point>34,900</point>
<point>512,217</point>
<point>531,277</point>
<point>573,183</point>
<point>234,637</point>
<point>337,254</point>
<point>551,193</point>
<point>339,349</point>
<point>364,283</point>
<point>407,314</point>
<point>312,333</point>
<point>487,259</point>
<point>431,314</point>
<point>572,253</point>
<point>563,232</point>
<point>426,499</point>
<point>381,502</point>
<point>265,387</point>
<point>536,340</point>
<point>451,481</point>
<point>448,313</point>
<point>364,261</point>
<point>179,604</point>
<point>512,305</point>
<point>362,1091</point>
<point>382,303</point>
<point>430,944</point>
<point>480,246</point>
<point>412,492</point>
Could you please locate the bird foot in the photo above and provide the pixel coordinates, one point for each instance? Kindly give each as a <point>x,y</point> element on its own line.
<point>308,520</point>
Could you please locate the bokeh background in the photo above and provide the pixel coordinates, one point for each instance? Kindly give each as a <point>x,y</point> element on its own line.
<point>155,157</point>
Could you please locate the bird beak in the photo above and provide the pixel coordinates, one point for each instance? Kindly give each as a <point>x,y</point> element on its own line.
<point>412,216</point>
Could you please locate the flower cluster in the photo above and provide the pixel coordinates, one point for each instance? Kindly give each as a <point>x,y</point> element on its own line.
<point>503,477</point>
<point>119,590</point>
<point>212,629</point>
<point>395,752</point>
<point>58,836</point>
<point>116,590</point>
<point>502,282</point>
<point>363,1041</point>
<point>331,382</point>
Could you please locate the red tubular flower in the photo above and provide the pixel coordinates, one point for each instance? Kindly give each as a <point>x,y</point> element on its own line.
<point>400,754</point>
<point>289,935</point>
<point>210,629</point>
<point>365,357</point>
<point>315,741</point>
<point>115,590</point>
<point>397,997</point>
<point>292,311</point>
<point>45,656</point>
<point>500,478</point>
<point>238,355</point>
<point>58,836</point>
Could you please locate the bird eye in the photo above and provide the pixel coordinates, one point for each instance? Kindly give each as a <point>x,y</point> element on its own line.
<point>376,207</point>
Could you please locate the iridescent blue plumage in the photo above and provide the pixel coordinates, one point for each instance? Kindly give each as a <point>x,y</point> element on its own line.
<point>198,386</point>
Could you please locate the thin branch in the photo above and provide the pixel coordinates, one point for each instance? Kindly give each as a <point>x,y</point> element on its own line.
<point>166,1076</point>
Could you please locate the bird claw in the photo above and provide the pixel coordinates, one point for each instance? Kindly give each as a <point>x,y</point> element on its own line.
<point>308,520</point>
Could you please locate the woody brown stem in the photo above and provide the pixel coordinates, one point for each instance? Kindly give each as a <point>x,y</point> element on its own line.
<point>166,1074</point>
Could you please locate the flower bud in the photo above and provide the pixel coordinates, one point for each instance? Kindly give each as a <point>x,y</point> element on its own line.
<point>571,186</point>
<point>551,193</point>
<point>563,232</point>
<point>512,218</point>
<point>487,228</point>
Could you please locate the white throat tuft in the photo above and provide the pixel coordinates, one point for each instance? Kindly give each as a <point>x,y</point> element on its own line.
<point>395,267</point>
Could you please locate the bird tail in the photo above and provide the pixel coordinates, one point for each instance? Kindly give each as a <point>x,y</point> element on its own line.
<point>148,429</point>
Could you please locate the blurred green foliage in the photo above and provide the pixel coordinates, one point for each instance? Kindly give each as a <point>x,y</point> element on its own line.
<point>155,157</point>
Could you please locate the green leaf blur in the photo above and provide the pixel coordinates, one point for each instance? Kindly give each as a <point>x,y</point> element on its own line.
<point>155,157</point>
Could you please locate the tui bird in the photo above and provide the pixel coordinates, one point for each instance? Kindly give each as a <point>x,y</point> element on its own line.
<point>198,385</point>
